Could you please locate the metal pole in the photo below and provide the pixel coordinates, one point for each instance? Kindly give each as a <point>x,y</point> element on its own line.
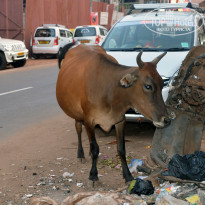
<point>7,20</point>
<point>91,5</point>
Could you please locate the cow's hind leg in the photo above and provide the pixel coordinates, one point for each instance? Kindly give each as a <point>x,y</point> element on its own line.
<point>80,154</point>
<point>94,151</point>
<point>120,135</point>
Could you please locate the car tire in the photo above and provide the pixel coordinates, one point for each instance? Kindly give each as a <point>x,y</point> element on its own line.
<point>3,62</point>
<point>19,63</point>
<point>57,55</point>
<point>36,56</point>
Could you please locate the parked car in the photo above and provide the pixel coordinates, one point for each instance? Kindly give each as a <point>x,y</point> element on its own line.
<point>12,52</point>
<point>90,34</point>
<point>169,87</point>
<point>173,28</point>
<point>50,39</point>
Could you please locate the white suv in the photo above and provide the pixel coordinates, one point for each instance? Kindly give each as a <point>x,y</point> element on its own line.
<point>174,28</point>
<point>12,52</point>
<point>91,34</point>
<point>50,39</point>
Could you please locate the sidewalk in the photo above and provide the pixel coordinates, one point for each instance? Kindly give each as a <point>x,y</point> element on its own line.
<point>37,62</point>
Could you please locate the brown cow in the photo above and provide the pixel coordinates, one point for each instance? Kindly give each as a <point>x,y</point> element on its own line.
<point>94,89</point>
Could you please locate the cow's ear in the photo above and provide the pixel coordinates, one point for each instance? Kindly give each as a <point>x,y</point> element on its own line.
<point>127,80</point>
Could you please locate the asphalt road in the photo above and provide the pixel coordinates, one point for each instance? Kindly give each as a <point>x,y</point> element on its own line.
<point>27,96</point>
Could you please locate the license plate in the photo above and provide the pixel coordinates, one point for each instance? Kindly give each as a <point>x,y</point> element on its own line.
<point>21,54</point>
<point>85,41</point>
<point>44,42</point>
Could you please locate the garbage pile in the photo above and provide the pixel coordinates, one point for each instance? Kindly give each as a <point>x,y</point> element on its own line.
<point>185,186</point>
<point>166,194</point>
<point>185,183</point>
<point>90,198</point>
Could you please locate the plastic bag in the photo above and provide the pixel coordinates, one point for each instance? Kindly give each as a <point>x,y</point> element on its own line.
<point>139,186</point>
<point>134,164</point>
<point>189,167</point>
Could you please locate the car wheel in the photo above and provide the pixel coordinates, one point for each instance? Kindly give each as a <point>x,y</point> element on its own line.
<point>36,56</point>
<point>3,62</point>
<point>19,63</point>
<point>58,52</point>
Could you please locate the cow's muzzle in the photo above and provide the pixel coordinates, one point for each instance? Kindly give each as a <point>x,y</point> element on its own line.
<point>164,122</point>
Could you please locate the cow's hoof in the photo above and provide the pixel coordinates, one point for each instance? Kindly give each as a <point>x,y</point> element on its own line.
<point>94,184</point>
<point>129,179</point>
<point>82,160</point>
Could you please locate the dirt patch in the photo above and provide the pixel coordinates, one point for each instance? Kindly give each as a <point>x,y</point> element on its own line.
<point>33,162</point>
<point>37,62</point>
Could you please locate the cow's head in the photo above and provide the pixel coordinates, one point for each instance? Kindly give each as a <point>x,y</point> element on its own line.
<point>145,85</point>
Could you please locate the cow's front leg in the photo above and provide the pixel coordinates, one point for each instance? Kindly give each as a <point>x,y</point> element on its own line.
<point>120,135</point>
<point>94,151</point>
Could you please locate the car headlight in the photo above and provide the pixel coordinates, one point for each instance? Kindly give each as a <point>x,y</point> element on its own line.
<point>8,47</point>
<point>23,46</point>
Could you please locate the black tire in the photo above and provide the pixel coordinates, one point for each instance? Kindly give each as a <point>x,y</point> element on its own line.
<point>19,63</point>
<point>3,62</point>
<point>58,54</point>
<point>36,56</point>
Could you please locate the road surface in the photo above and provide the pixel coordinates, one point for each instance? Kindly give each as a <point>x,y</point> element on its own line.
<point>27,96</point>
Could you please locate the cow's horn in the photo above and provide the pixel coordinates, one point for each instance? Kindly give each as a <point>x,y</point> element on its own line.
<point>158,58</point>
<point>139,60</point>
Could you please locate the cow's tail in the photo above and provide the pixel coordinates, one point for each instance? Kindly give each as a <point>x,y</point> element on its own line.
<point>62,53</point>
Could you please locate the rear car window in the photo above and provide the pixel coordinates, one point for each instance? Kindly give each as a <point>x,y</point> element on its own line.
<point>69,34</point>
<point>62,33</point>
<point>88,31</point>
<point>45,32</point>
<point>103,32</point>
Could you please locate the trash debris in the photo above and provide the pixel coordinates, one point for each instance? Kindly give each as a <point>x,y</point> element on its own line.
<point>93,198</point>
<point>114,162</point>
<point>67,174</point>
<point>29,195</point>
<point>106,157</point>
<point>201,194</point>
<point>79,184</point>
<point>189,167</point>
<point>134,164</point>
<point>115,142</point>
<point>139,186</point>
<point>26,196</point>
<point>118,166</point>
<point>170,200</point>
<point>55,188</point>
<point>42,201</point>
<point>194,199</point>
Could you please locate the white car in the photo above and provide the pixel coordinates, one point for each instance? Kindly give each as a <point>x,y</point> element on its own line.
<point>50,39</point>
<point>158,28</point>
<point>90,34</point>
<point>12,52</point>
<point>169,87</point>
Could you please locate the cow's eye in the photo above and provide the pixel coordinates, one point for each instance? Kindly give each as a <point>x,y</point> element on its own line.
<point>148,87</point>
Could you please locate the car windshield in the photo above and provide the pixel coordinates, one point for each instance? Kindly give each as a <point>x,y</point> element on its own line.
<point>131,36</point>
<point>86,31</point>
<point>45,32</point>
